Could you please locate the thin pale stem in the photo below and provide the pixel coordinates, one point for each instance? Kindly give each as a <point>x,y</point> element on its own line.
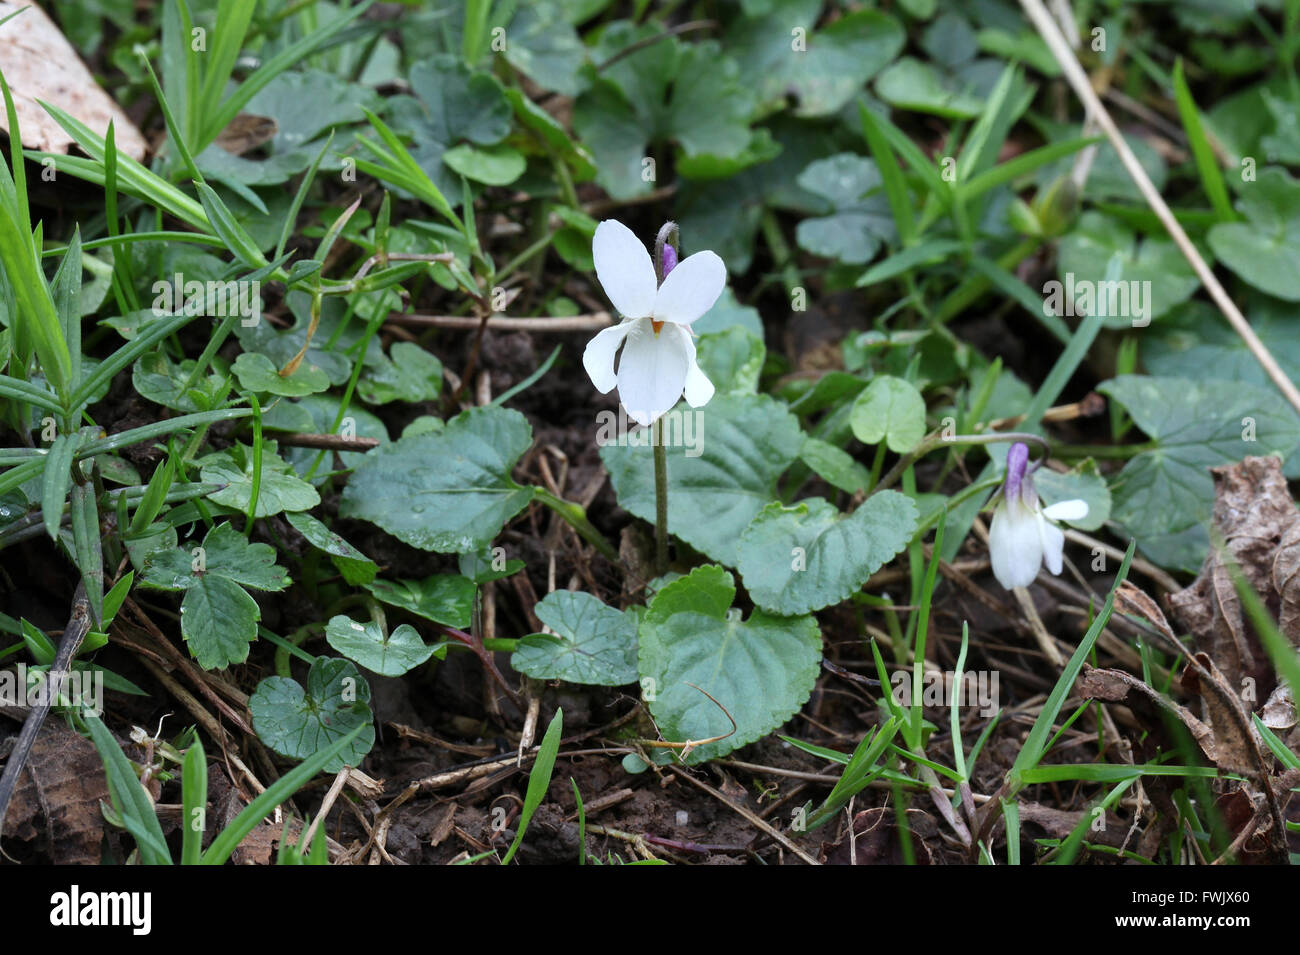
<point>661,499</point>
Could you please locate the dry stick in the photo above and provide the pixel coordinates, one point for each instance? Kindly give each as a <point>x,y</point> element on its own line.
<point>326,805</point>
<point>326,442</point>
<point>1051,34</point>
<point>504,323</point>
<point>1138,564</point>
<point>750,816</point>
<point>76,630</point>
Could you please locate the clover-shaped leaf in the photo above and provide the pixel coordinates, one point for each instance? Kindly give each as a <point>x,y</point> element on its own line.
<point>593,643</point>
<point>450,491</point>
<point>411,374</point>
<point>218,617</point>
<point>256,372</point>
<point>889,409</point>
<point>298,722</point>
<point>760,670</point>
<point>367,645</point>
<point>859,221</point>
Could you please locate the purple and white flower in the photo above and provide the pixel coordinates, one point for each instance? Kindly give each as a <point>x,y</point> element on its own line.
<point>658,362</point>
<point>1022,537</point>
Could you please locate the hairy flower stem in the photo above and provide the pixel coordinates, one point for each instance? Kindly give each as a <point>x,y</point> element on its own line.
<point>661,499</point>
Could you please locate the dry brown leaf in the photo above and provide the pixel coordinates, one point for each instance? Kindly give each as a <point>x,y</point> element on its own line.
<point>40,64</point>
<point>57,798</point>
<point>1116,686</point>
<point>1254,512</point>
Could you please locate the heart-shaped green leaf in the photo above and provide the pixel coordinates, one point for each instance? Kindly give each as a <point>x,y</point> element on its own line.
<point>795,560</point>
<point>745,443</point>
<point>759,670</point>
<point>889,409</point>
<point>297,723</point>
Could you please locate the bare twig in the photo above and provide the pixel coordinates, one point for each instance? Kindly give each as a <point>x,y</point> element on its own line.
<point>503,323</point>
<point>1051,34</point>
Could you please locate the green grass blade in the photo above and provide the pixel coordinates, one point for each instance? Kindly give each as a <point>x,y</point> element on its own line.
<point>194,803</point>
<point>1035,744</point>
<point>1206,165</point>
<point>229,839</point>
<point>539,780</point>
<point>129,799</point>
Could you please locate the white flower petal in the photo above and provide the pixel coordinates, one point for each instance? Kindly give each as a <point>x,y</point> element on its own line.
<point>1053,543</point>
<point>699,390</point>
<point>652,372</point>
<point>690,289</point>
<point>598,358</point>
<point>624,268</point>
<point>1073,510</point>
<point>1015,547</point>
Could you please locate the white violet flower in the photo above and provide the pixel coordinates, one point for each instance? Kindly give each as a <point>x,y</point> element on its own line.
<point>658,362</point>
<point>1022,537</point>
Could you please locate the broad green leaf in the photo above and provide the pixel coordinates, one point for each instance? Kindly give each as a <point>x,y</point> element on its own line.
<point>746,442</point>
<point>497,165</point>
<point>1265,250</point>
<point>1164,497</point>
<point>450,491</point>
<point>592,644</point>
<point>367,646</point>
<point>256,372</point>
<point>916,85</point>
<point>278,490</point>
<point>442,598</point>
<point>889,409</point>
<point>760,670</point>
<point>798,559</point>
<point>297,723</point>
<point>1155,276</point>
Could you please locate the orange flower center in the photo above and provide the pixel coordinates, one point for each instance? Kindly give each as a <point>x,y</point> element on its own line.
<point>656,325</point>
